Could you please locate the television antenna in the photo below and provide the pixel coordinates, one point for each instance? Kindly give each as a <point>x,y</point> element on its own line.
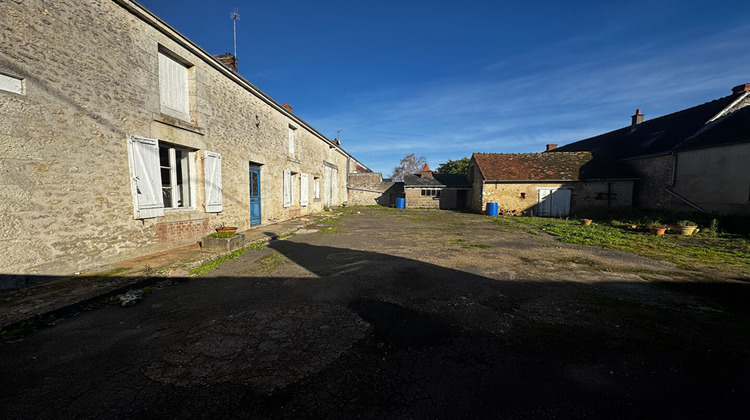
<point>235,17</point>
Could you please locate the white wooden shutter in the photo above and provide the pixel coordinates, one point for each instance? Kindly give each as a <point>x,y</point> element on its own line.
<point>145,177</point>
<point>303,189</point>
<point>291,142</point>
<point>334,187</point>
<point>173,87</point>
<point>212,175</point>
<point>287,188</point>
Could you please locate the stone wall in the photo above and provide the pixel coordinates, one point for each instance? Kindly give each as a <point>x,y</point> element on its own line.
<point>91,77</point>
<point>367,189</point>
<point>654,178</point>
<point>519,197</point>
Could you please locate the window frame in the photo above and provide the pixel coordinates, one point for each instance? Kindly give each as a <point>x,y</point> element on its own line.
<point>188,185</point>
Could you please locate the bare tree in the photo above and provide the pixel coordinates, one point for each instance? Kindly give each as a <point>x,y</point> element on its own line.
<point>410,164</point>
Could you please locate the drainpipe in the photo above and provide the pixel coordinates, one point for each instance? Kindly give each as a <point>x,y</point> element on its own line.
<point>674,181</point>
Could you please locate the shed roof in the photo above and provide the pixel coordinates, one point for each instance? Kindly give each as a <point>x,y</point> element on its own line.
<point>436,181</point>
<point>569,166</point>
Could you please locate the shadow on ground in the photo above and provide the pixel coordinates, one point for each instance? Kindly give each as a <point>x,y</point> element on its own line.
<point>371,335</point>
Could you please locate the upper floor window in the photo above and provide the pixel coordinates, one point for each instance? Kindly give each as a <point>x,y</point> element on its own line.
<point>292,131</point>
<point>173,87</point>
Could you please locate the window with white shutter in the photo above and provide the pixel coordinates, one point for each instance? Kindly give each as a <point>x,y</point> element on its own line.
<point>173,87</point>
<point>303,189</point>
<point>287,188</point>
<point>212,175</point>
<point>316,188</point>
<point>145,177</point>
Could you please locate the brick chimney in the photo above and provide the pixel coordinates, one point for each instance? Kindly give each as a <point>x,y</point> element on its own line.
<point>228,60</point>
<point>426,172</point>
<point>636,119</point>
<point>741,88</point>
<point>287,106</point>
<point>551,147</point>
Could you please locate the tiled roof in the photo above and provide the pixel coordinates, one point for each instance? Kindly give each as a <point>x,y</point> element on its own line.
<point>652,137</point>
<point>437,180</point>
<point>733,128</point>
<point>571,166</point>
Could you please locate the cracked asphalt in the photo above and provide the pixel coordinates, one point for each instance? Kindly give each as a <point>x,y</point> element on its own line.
<point>397,314</point>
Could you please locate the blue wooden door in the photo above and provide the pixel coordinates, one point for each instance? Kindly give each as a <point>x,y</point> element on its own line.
<point>254,196</point>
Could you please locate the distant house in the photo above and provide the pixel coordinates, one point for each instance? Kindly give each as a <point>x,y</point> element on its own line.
<point>546,184</point>
<point>694,159</point>
<point>440,191</point>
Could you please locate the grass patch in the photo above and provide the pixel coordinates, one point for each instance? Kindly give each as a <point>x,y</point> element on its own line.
<point>223,235</point>
<point>209,265</point>
<point>332,229</point>
<point>257,245</point>
<point>480,246</point>
<point>285,235</point>
<point>728,252</point>
<point>270,262</point>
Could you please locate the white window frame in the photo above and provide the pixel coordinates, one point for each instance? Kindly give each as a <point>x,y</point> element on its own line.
<point>188,179</point>
<point>316,188</point>
<point>304,189</point>
<point>174,90</point>
<point>288,189</point>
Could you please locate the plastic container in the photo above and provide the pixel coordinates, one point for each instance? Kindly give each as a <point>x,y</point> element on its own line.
<point>491,209</point>
<point>400,203</point>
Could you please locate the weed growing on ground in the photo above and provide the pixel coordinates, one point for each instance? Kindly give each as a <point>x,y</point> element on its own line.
<point>223,235</point>
<point>212,264</point>
<point>332,229</point>
<point>257,245</point>
<point>18,331</point>
<point>270,262</point>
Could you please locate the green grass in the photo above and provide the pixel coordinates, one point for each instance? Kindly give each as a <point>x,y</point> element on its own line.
<point>332,229</point>
<point>223,235</point>
<point>212,264</point>
<point>723,251</point>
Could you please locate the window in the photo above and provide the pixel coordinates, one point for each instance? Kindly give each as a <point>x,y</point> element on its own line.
<point>288,190</point>
<point>291,141</point>
<point>431,193</point>
<point>162,177</point>
<point>174,163</point>
<point>316,188</point>
<point>304,189</point>
<point>11,84</point>
<point>173,87</point>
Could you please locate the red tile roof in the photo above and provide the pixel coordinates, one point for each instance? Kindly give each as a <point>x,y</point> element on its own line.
<point>532,166</point>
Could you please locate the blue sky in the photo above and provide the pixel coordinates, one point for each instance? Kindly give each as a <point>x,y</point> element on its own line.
<point>444,79</point>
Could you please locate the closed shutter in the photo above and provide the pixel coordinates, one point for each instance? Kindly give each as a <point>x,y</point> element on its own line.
<point>212,175</point>
<point>145,177</point>
<point>173,87</point>
<point>303,189</point>
<point>287,188</point>
<point>334,187</point>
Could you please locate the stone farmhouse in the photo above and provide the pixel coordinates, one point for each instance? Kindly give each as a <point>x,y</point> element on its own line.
<point>694,159</point>
<point>546,184</point>
<point>120,137</point>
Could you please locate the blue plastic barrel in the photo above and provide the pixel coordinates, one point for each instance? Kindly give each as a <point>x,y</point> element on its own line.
<point>400,203</point>
<point>491,209</point>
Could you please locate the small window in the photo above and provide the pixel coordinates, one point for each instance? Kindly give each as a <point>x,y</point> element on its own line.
<point>316,188</point>
<point>11,84</point>
<point>430,192</point>
<point>523,196</point>
<point>173,87</point>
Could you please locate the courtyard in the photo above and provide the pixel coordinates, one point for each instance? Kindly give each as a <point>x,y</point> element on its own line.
<point>385,313</point>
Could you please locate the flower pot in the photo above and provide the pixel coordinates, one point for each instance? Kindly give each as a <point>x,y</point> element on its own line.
<point>684,230</point>
<point>585,222</point>
<point>226,229</point>
<point>658,230</point>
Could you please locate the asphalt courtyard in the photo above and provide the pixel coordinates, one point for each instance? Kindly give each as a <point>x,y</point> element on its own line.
<point>396,314</point>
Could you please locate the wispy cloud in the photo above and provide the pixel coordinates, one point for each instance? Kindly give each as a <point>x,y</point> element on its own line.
<point>520,103</point>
